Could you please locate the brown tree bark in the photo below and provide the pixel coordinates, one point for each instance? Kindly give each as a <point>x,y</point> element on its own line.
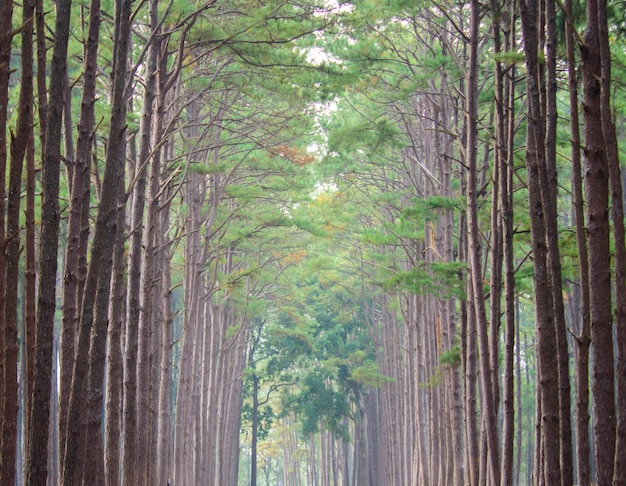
<point>474,260</point>
<point>193,194</point>
<point>131,325</point>
<point>38,434</point>
<point>596,178</point>
<point>617,215</point>
<point>6,35</point>
<point>78,221</point>
<point>30,279</point>
<point>549,188</point>
<point>42,93</point>
<point>470,372</point>
<point>505,136</point>
<point>582,337</point>
<point>140,323</point>
<point>19,144</point>
<point>115,361</point>
<point>94,310</point>
<point>147,319</point>
<point>539,196</point>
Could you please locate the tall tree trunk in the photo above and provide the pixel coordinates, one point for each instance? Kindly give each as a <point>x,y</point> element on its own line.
<point>78,222</point>
<point>6,37</point>
<point>12,248</point>
<point>42,94</point>
<point>549,187</point>
<point>518,398</point>
<point>94,310</point>
<point>539,194</point>
<point>506,203</point>
<point>598,236</point>
<point>162,347</point>
<point>192,289</point>
<point>617,213</point>
<point>147,318</point>
<point>582,339</point>
<point>504,147</point>
<point>30,283</point>
<point>488,405</point>
<point>38,434</point>
<point>255,411</point>
<point>468,336</point>
<point>133,306</point>
<point>31,264</point>
<point>164,432</point>
<point>31,251</point>
<point>114,364</point>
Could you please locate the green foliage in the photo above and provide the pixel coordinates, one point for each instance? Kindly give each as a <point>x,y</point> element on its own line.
<point>368,375</point>
<point>319,402</point>
<point>510,58</point>
<point>266,419</point>
<point>452,357</point>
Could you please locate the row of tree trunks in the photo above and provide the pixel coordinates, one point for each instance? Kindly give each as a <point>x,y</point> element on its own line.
<point>206,443</point>
<point>36,456</point>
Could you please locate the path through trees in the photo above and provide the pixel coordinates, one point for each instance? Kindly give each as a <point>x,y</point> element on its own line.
<point>312,243</point>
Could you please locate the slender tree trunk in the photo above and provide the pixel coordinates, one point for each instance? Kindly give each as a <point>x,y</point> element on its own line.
<point>38,434</point>
<point>6,34</point>
<point>518,396</point>
<point>617,213</point>
<point>114,363</point>
<point>163,291</point>
<point>488,404</point>
<point>133,300</point>
<point>597,192</point>
<point>164,433</point>
<point>255,424</point>
<point>508,432</point>
<point>19,144</point>
<point>6,37</point>
<point>581,357</point>
<point>31,275</point>
<point>30,282</point>
<point>147,318</point>
<point>42,94</point>
<point>192,289</point>
<point>539,194</point>
<point>504,147</point>
<point>78,223</point>
<point>129,397</point>
<point>471,378</point>
<point>549,187</point>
